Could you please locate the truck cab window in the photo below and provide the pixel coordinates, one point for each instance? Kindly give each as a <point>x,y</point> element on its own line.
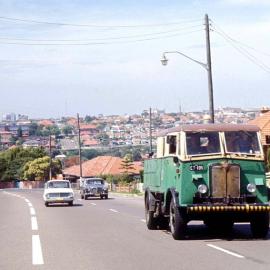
<point>171,140</point>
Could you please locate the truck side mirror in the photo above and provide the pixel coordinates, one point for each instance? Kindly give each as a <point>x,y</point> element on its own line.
<point>176,160</point>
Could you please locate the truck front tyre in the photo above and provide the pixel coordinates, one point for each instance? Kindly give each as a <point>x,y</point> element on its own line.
<point>178,225</point>
<point>259,225</point>
<point>149,216</point>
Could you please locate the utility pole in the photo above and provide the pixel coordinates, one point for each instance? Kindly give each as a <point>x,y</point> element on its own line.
<point>150,129</point>
<point>79,141</point>
<point>209,71</point>
<point>50,153</point>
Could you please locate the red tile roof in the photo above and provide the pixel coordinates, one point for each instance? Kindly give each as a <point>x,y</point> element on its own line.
<point>87,126</point>
<point>46,123</point>
<point>102,165</point>
<point>263,122</point>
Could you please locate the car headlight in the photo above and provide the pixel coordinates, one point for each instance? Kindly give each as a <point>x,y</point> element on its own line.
<point>202,189</point>
<point>251,188</point>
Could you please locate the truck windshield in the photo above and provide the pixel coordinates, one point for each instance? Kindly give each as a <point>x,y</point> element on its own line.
<point>242,142</point>
<point>199,143</point>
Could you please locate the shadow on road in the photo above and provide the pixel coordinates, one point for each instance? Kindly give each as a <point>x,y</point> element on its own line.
<point>65,205</point>
<point>240,232</point>
<point>97,199</point>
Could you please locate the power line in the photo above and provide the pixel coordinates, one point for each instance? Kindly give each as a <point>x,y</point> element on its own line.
<point>98,43</point>
<point>252,58</point>
<point>239,42</point>
<point>96,25</point>
<point>100,39</point>
<point>243,51</point>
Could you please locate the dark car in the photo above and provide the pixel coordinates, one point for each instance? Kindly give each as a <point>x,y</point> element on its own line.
<point>94,187</point>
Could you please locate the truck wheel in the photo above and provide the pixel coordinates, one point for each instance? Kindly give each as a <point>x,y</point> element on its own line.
<point>46,204</point>
<point>82,197</point>
<point>178,225</point>
<point>149,215</point>
<point>70,203</point>
<point>259,225</point>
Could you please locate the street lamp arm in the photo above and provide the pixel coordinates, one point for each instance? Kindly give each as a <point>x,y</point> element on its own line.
<point>188,57</point>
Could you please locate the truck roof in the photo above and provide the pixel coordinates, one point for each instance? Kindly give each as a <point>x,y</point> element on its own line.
<point>209,127</point>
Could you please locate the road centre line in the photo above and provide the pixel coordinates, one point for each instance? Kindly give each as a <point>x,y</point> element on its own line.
<point>113,210</point>
<point>30,204</point>
<point>34,223</point>
<point>27,200</point>
<point>32,211</point>
<point>226,251</point>
<point>93,203</point>
<point>37,257</point>
<point>143,220</point>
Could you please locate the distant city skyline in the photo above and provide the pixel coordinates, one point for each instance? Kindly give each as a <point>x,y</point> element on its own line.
<point>217,110</point>
<point>60,58</point>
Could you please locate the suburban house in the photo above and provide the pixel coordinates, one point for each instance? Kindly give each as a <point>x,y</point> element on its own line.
<point>102,165</point>
<point>263,122</point>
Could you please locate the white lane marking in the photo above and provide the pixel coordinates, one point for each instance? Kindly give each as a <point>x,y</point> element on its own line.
<point>143,220</point>
<point>27,200</point>
<point>93,203</point>
<point>113,210</point>
<point>34,223</point>
<point>79,199</point>
<point>32,211</point>
<point>30,204</point>
<point>37,257</point>
<point>226,251</point>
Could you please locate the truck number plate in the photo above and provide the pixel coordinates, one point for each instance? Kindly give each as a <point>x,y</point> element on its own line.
<point>196,168</point>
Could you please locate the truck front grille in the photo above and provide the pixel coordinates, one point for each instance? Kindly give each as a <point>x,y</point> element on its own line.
<point>225,180</point>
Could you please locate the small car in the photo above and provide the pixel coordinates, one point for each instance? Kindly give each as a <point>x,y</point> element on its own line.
<point>58,191</point>
<point>94,187</point>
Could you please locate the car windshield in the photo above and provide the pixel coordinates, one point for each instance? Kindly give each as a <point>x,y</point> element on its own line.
<point>59,184</point>
<point>202,143</point>
<point>242,142</point>
<point>94,182</point>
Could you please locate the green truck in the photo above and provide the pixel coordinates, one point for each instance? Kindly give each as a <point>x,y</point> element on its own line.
<point>209,172</point>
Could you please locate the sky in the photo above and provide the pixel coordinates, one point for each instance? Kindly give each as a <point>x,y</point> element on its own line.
<point>60,58</point>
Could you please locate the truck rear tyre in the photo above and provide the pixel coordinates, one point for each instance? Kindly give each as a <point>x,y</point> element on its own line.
<point>178,225</point>
<point>259,225</point>
<point>151,222</point>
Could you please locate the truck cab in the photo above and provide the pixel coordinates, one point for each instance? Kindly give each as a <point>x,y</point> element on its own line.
<point>209,172</point>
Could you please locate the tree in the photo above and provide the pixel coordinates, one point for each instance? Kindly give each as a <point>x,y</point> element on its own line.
<point>90,153</point>
<point>15,159</point>
<point>104,138</point>
<point>33,129</point>
<point>39,168</point>
<point>67,130</point>
<point>3,166</point>
<point>127,164</point>
<point>19,132</point>
<point>137,155</point>
<point>89,119</point>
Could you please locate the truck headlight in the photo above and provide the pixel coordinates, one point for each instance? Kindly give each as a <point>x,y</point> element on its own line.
<point>251,188</point>
<point>202,189</point>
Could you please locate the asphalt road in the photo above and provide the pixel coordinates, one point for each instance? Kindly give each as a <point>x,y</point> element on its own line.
<point>111,234</point>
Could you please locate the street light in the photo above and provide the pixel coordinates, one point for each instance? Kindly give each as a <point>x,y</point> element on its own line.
<point>207,66</point>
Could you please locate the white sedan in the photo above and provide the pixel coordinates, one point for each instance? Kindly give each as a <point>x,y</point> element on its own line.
<point>58,191</point>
